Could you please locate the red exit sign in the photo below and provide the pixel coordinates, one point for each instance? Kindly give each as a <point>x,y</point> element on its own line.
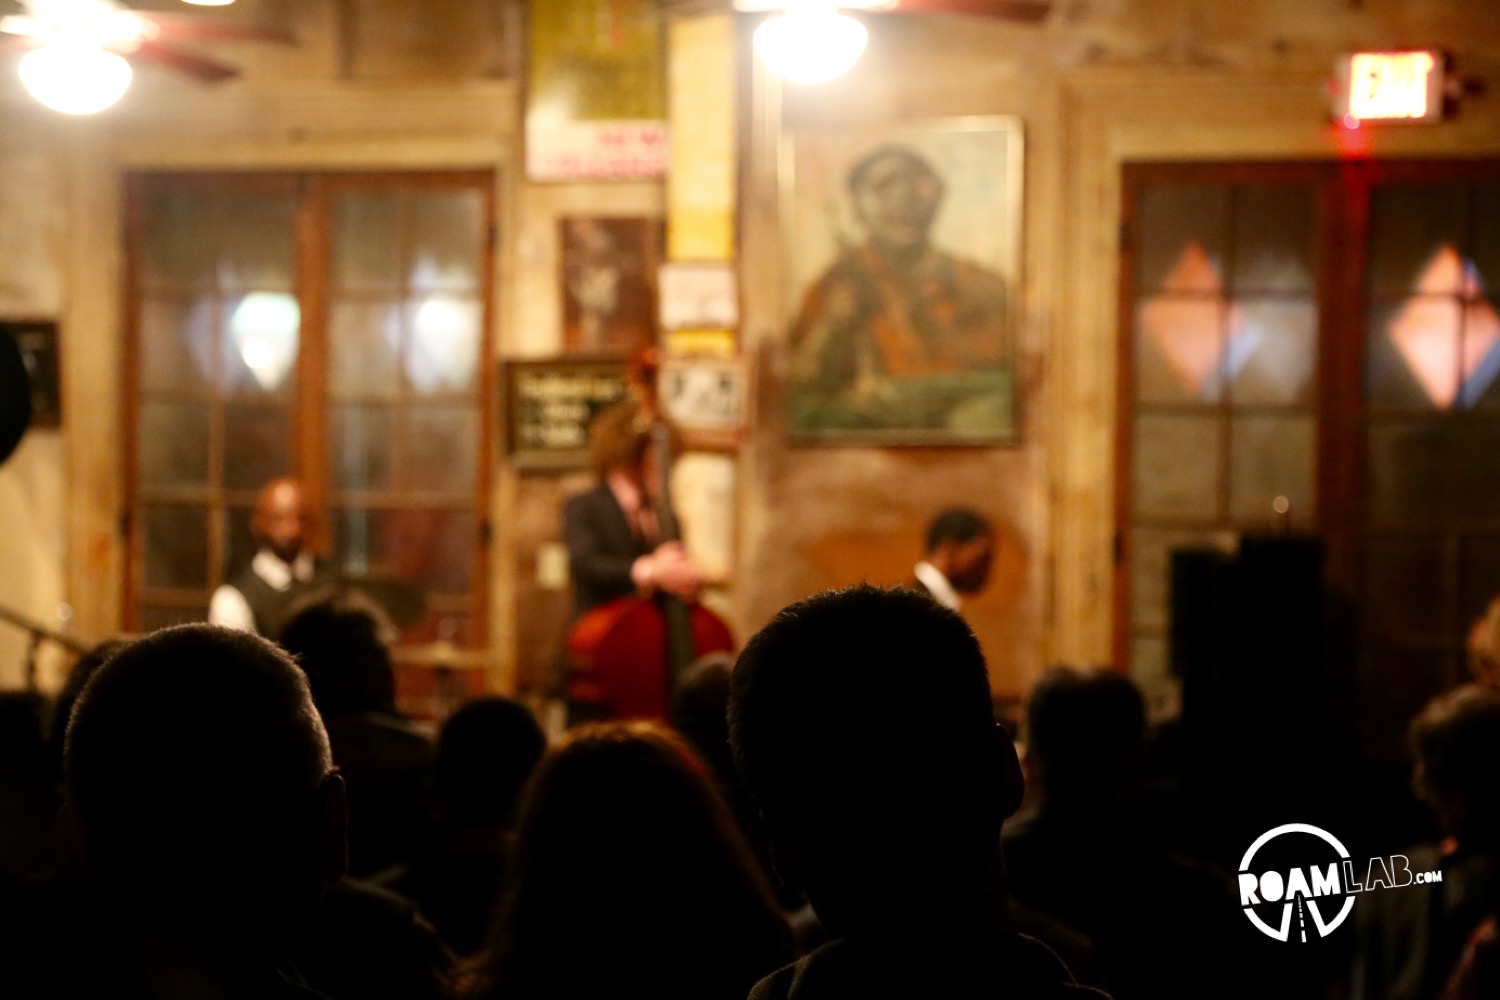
<point>1391,86</point>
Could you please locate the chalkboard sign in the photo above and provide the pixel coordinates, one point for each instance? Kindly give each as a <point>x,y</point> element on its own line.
<point>549,405</point>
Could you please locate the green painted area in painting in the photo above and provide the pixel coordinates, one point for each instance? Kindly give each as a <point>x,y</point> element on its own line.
<point>955,408</point>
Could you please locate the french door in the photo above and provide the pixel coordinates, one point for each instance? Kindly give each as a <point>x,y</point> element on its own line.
<point>334,327</point>
<point>1316,346</point>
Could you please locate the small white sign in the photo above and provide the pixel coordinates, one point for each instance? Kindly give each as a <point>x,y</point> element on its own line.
<point>698,297</point>
<point>707,398</point>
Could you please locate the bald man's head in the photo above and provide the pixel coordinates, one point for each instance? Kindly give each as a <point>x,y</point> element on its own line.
<point>196,754</point>
<point>280,518</point>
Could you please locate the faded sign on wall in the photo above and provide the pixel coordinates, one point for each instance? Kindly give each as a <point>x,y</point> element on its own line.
<point>596,109</point>
<point>609,282</point>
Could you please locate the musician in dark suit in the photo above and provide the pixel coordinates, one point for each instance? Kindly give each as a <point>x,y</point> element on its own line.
<point>960,549</point>
<point>612,532</point>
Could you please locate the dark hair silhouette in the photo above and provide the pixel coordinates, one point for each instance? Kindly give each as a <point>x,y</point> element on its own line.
<point>862,723</point>
<point>342,641</point>
<point>22,742</point>
<point>1085,730</point>
<point>959,524</point>
<point>28,789</point>
<point>87,664</point>
<point>486,751</point>
<point>1456,742</point>
<point>194,753</point>
<point>700,712</point>
<point>630,879</point>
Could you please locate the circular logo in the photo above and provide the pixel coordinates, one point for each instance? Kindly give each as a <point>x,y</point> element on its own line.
<point>1298,889</point>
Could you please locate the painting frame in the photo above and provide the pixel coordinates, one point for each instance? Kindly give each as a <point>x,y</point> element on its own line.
<point>634,245</point>
<point>39,342</point>
<point>974,162</point>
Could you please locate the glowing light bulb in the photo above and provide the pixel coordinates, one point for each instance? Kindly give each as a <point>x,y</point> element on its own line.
<point>76,79</point>
<point>811,43</point>
<point>209,3</point>
<point>444,351</point>
<point>265,328</point>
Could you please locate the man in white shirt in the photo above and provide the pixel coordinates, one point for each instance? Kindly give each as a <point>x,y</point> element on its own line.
<point>257,598</point>
<point>960,548</point>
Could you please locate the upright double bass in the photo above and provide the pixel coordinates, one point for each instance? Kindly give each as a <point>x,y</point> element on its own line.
<point>625,658</point>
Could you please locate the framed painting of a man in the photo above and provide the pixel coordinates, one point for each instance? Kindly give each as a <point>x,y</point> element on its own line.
<point>903,259</point>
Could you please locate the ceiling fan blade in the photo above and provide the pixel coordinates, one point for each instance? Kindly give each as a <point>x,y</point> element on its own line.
<point>178,27</point>
<point>1024,11</point>
<point>194,65</point>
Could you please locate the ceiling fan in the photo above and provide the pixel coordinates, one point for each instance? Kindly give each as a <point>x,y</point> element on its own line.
<point>77,60</point>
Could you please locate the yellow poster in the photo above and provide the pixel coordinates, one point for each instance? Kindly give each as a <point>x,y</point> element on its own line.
<point>597,103</point>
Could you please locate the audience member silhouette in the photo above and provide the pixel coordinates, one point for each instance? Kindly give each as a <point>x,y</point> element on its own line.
<point>862,723</point>
<point>1160,926</point>
<point>630,879</point>
<point>208,816</point>
<point>1409,942</point>
<point>28,797</point>
<point>342,641</point>
<point>700,712</point>
<point>79,673</point>
<point>366,941</point>
<point>485,752</point>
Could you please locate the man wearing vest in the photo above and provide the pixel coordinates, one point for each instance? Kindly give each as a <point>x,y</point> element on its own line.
<point>257,598</point>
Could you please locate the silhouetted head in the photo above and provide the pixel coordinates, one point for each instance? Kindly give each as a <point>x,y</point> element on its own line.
<point>28,789</point>
<point>630,878</point>
<point>961,544</point>
<point>23,742</point>
<point>279,519</point>
<point>862,723</point>
<point>342,641</point>
<point>700,711</point>
<point>486,751</point>
<point>1085,731</point>
<point>200,784</point>
<point>1455,745</point>
<point>83,668</point>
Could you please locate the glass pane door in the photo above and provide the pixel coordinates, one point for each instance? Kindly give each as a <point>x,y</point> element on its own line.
<point>328,326</point>
<point>218,332</point>
<point>1221,386</point>
<point>1431,434</point>
<point>406,322</point>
